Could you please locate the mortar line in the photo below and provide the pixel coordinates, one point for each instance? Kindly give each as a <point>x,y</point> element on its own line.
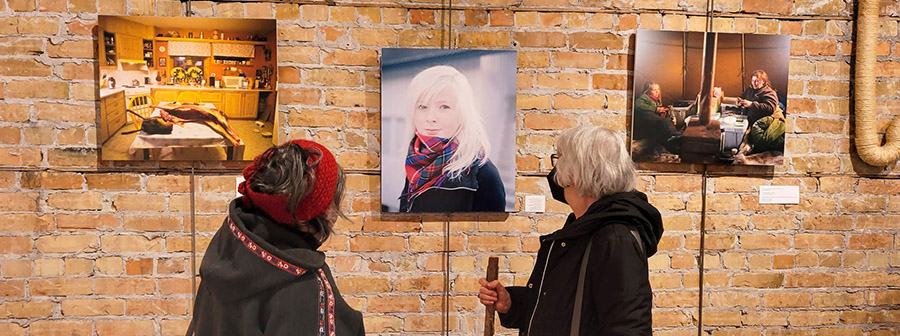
<point>547,9</point>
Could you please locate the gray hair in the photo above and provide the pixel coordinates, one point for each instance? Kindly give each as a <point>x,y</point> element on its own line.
<point>594,160</point>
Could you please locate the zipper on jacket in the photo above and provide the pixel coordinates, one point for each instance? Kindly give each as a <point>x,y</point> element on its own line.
<point>540,288</point>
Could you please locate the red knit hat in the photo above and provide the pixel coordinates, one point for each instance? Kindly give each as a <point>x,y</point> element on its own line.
<point>311,206</point>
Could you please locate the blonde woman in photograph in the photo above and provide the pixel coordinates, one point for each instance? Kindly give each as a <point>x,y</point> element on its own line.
<point>448,166</point>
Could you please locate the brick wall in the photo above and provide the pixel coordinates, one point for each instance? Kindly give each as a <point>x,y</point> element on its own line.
<point>105,248</point>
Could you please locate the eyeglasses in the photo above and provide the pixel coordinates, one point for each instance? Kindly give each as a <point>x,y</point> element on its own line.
<point>553,159</point>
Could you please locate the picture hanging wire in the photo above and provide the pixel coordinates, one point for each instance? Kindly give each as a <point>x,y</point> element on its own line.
<point>702,251</point>
<point>709,19</point>
<point>446,313</point>
<point>193,241</point>
<point>447,22</point>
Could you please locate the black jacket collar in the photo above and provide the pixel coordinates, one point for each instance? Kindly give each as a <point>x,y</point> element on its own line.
<point>627,208</point>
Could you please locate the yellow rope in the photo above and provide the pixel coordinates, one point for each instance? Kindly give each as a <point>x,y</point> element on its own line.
<point>868,143</point>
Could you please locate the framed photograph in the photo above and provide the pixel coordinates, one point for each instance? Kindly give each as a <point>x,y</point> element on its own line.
<point>713,98</point>
<point>448,130</point>
<point>202,121</point>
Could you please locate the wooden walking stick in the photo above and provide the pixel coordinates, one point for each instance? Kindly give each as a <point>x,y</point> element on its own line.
<point>489,310</point>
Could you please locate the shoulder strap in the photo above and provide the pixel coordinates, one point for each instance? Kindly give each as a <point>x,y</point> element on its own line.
<point>190,329</point>
<point>579,293</point>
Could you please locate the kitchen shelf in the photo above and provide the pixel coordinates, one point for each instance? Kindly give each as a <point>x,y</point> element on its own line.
<point>148,48</point>
<point>109,50</point>
<point>208,40</point>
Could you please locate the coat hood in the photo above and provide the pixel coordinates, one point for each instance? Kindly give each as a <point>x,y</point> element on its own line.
<point>628,208</point>
<point>233,271</point>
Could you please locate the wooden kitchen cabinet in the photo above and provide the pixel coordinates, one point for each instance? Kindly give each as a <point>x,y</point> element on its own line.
<point>232,107</point>
<point>164,95</point>
<point>112,115</point>
<point>129,47</point>
<point>249,105</point>
<point>235,104</point>
<point>212,97</point>
<point>241,104</point>
<point>121,26</point>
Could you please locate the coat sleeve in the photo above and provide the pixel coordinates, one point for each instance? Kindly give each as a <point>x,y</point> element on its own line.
<point>620,287</point>
<point>518,314</point>
<point>765,104</point>
<point>645,104</point>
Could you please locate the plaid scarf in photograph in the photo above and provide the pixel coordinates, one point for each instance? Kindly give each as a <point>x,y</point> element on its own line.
<point>425,163</point>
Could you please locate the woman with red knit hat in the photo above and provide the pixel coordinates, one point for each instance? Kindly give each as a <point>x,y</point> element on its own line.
<point>262,273</point>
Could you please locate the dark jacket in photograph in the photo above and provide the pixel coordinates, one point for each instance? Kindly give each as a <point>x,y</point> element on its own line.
<point>617,298</point>
<point>648,124</point>
<point>263,278</point>
<point>481,190</point>
<point>763,102</point>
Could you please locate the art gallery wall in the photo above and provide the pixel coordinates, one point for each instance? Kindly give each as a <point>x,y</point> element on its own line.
<point>90,247</point>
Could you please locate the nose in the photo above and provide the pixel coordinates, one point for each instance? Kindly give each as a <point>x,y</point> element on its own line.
<point>430,116</point>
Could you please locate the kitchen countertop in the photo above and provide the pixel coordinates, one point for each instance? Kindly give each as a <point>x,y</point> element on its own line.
<point>107,92</point>
<point>204,88</point>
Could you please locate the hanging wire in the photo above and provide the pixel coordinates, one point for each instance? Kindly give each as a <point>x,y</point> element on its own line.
<point>193,240</point>
<point>709,20</point>
<point>446,315</point>
<point>450,24</point>
<point>702,251</point>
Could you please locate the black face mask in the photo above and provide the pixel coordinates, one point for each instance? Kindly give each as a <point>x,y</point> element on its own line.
<point>556,190</point>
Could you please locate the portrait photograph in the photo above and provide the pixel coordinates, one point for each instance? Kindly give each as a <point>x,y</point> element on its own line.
<point>448,127</point>
<point>711,98</point>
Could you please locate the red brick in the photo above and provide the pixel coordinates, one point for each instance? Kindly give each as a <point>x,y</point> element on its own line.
<point>26,309</point>
<point>589,40</point>
<point>126,327</point>
<point>61,328</point>
<point>59,287</point>
<point>92,307</point>
<point>540,39</point>
<point>767,6</point>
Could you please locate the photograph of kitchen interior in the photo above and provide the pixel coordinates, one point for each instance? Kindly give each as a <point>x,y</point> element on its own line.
<point>186,89</point>
<point>714,98</point>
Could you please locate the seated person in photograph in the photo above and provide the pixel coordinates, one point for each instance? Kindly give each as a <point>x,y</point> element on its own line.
<point>650,122</point>
<point>759,99</point>
<point>765,136</point>
<point>262,272</point>
<point>764,115</point>
<point>447,166</point>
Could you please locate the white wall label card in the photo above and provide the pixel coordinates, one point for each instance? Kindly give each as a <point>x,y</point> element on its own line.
<point>779,195</point>
<point>535,203</point>
<point>237,184</point>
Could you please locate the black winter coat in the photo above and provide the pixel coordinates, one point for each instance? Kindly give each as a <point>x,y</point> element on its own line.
<point>488,196</point>
<point>250,283</point>
<point>617,298</point>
